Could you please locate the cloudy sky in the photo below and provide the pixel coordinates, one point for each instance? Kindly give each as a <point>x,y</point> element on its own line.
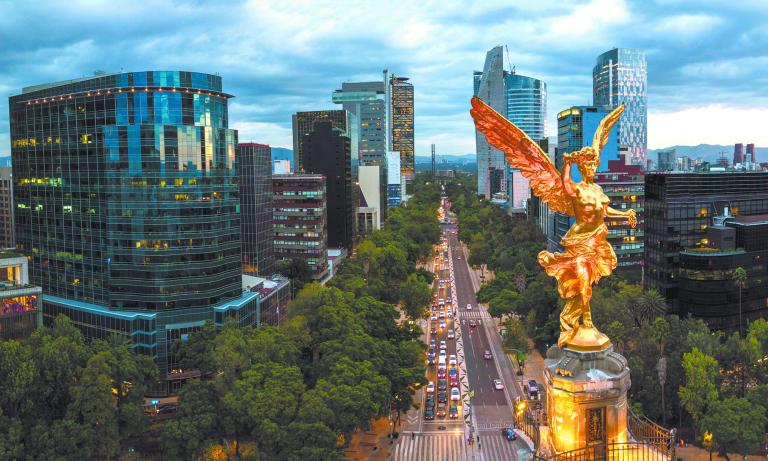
<point>707,60</point>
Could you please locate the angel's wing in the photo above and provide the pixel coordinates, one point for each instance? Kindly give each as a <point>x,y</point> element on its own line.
<point>604,129</point>
<point>524,154</point>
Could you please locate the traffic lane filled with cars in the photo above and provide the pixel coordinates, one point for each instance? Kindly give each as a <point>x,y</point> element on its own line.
<point>440,406</point>
<point>481,371</point>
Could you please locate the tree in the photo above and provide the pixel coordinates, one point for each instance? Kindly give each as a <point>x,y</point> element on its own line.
<point>505,303</point>
<point>297,270</point>
<point>415,296</point>
<point>515,337</point>
<point>736,425</point>
<point>196,425</point>
<point>651,305</point>
<point>93,407</point>
<point>699,391</point>
<point>740,279</point>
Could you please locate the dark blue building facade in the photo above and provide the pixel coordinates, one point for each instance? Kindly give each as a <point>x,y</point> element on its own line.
<point>126,200</point>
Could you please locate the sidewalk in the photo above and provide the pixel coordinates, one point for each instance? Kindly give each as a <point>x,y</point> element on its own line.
<point>372,445</point>
<point>691,453</point>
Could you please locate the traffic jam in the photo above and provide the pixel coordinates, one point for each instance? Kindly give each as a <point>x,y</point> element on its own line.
<point>442,397</point>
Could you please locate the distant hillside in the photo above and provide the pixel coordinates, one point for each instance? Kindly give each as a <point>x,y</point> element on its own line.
<point>709,152</point>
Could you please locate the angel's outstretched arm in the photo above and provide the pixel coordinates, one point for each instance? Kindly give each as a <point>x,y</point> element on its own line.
<point>568,185</point>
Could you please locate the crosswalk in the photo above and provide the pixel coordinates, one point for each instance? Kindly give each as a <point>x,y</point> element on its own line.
<point>494,447</point>
<point>474,314</point>
<point>430,447</point>
<point>453,447</point>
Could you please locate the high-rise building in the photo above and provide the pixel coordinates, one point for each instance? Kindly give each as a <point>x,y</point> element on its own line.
<point>621,76</point>
<point>370,189</point>
<point>706,287</point>
<point>299,216</point>
<point>366,100</point>
<point>255,176</point>
<point>523,101</point>
<point>326,151</point>
<point>394,187</point>
<point>576,128</point>
<point>527,104</point>
<point>738,153</point>
<point>625,186</point>
<point>342,120</point>
<point>679,208</point>
<point>667,160</point>
<point>20,302</point>
<point>7,239</point>
<point>281,167</point>
<point>489,86</point>
<point>401,124</point>
<point>751,153</point>
<point>127,205</point>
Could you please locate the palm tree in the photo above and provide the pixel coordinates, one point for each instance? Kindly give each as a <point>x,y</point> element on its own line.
<point>740,279</point>
<point>650,305</point>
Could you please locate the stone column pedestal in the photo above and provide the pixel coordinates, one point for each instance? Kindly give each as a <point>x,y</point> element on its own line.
<point>586,397</point>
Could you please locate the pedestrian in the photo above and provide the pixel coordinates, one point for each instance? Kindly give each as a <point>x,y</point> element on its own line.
<point>413,435</point>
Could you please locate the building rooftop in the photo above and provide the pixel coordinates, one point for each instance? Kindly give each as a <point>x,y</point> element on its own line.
<point>751,220</point>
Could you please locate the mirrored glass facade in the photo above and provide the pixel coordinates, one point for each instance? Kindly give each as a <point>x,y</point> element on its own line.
<point>257,234</point>
<point>401,114</point>
<point>621,76</point>
<point>126,197</point>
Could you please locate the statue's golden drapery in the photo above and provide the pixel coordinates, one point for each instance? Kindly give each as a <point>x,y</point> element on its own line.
<point>588,256</point>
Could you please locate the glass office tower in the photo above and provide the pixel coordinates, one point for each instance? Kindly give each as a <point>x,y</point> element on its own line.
<point>254,170</point>
<point>621,76</point>
<point>401,116</point>
<point>527,104</point>
<point>367,101</point>
<point>127,204</point>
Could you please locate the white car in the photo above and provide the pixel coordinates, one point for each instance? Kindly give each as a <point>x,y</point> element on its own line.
<point>442,353</point>
<point>451,334</point>
<point>498,384</point>
<point>442,345</point>
<point>442,314</point>
<point>469,307</point>
<point>455,394</point>
<point>431,388</point>
<point>452,360</point>
<point>434,317</point>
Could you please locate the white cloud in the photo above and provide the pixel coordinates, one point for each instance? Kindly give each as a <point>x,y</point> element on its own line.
<point>713,124</point>
<point>276,135</point>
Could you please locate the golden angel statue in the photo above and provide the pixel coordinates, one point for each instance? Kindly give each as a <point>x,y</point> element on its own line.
<point>588,256</point>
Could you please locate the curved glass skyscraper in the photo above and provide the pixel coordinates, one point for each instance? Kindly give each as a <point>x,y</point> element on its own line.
<point>527,104</point>
<point>621,76</point>
<point>127,202</point>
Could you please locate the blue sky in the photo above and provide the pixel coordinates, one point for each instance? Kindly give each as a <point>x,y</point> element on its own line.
<point>707,60</point>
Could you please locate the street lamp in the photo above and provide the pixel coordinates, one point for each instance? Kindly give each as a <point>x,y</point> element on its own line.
<point>661,369</point>
<point>707,442</point>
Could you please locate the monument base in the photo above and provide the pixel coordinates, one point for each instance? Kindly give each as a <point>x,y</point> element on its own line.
<point>586,397</point>
<point>588,339</point>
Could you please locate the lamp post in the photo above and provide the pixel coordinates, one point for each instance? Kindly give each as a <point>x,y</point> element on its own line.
<point>707,442</point>
<point>661,369</point>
